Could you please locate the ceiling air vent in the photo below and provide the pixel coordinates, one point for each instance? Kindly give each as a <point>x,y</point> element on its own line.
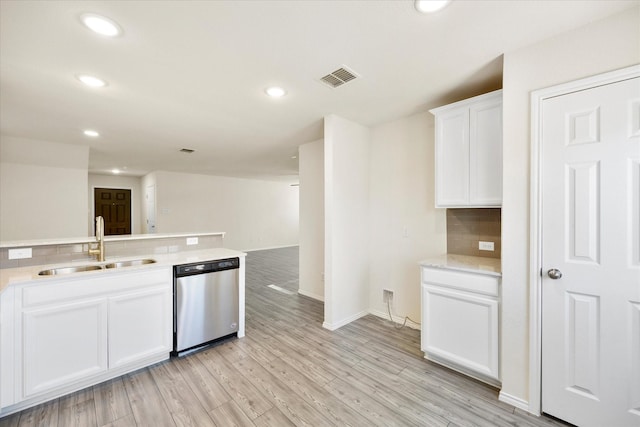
<point>339,77</point>
<point>187,150</point>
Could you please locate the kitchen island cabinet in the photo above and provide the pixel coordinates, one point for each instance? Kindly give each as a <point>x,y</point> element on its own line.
<point>460,319</point>
<point>63,333</point>
<point>76,331</point>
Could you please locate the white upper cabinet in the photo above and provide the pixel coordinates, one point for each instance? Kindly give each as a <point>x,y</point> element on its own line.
<point>469,152</point>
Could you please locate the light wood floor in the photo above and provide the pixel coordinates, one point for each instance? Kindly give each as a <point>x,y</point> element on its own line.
<point>288,370</point>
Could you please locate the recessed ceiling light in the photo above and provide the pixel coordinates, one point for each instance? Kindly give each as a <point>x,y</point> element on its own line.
<point>101,25</point>
<point>91,133</point>
<point>91,80</point>
<point>275,92</point>
<point>430,6</point>
<point>115,171</point>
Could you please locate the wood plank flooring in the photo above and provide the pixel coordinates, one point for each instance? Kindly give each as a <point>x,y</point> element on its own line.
<point>288,371</point>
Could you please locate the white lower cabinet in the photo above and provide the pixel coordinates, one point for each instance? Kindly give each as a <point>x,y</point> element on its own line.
<point>460,322</point>
<point>63,344</point>
<point>138,325</point>
<point>70,333</point>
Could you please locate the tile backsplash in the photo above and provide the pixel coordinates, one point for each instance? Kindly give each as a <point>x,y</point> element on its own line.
<point>467,227</point>
<point>64,253</point>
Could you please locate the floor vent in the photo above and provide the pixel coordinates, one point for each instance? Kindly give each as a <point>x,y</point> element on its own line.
<point>339,77</point>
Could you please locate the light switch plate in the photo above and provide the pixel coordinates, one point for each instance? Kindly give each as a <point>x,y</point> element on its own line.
<point>192,240</point>
<point>20,253</point>
<point>485,246</point>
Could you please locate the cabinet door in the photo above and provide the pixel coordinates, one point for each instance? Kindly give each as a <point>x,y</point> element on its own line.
<point>140,325</point>
<point>452,158</point>
<point>461,328</point>
<point>63,344</point>
<point>485,153</point>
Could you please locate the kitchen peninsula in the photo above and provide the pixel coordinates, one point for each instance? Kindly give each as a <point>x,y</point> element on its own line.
<point>98,320</point>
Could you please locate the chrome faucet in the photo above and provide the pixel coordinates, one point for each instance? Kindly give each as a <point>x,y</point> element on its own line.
<point>98,250</point>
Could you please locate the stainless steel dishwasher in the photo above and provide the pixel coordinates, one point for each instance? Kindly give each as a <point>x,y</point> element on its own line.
<point>205,303</point>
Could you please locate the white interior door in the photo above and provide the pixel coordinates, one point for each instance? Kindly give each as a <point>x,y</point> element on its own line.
<point>591,237</point>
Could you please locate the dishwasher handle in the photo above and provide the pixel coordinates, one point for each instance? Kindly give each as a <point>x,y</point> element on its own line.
<point>206,267</point>
<point>193,268</point>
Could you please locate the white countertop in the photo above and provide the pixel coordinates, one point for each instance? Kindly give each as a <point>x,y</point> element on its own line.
<point>470,264</point>
<point>12,276</point>
<point>76,240</point>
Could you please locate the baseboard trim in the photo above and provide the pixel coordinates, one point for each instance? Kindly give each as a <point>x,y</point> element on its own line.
<point>396,319</point>
<point>341,323</point>
<point>514,401</point>
<point>311,295</point>
<point>84,383</point>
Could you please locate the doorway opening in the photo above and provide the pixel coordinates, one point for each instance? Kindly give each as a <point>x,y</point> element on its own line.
<point>114,205</point>
<point>276,269</point>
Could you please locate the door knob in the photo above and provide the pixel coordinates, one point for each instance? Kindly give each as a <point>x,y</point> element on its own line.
<point>554,274</point>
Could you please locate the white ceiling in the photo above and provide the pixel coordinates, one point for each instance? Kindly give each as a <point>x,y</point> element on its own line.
<point>191,74</point>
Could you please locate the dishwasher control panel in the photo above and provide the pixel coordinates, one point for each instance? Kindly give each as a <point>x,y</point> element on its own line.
<point>206,267</point>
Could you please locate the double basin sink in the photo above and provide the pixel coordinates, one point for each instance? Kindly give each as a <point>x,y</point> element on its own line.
<point>93,267</point>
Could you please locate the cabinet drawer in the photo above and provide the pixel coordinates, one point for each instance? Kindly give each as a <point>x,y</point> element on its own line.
<point>470,282</point>
<point>91,285</point>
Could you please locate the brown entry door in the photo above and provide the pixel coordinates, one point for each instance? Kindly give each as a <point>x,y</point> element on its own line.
<point>114,205</point>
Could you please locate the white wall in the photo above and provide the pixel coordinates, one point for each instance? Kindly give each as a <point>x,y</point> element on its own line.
<point>311,254</point>
<point>132,183</point>
<point>43,189</point>
<point>346,182</point>
<point>254,214</point>
<point>601,46</point>
<point>405,227</point>
<point>148,203</point>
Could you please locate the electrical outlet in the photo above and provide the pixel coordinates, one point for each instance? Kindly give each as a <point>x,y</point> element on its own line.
<point>192,240</point>
<point>387,295</point>
<point>21,253</point>
<point>485,246</point>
